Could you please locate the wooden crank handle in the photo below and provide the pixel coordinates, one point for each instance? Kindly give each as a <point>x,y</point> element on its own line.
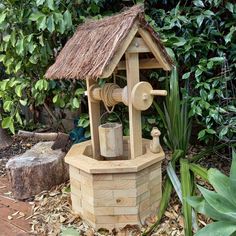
<point>158,92</point>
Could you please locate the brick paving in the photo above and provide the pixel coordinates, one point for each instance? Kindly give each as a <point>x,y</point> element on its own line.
<point>18,225</point>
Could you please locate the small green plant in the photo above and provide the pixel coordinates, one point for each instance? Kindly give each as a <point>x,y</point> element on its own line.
<point>178,129</point>
<point>175,117</point>
<point>220,205</point>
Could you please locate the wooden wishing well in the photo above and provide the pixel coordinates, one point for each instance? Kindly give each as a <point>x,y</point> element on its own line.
<point>115,179</point>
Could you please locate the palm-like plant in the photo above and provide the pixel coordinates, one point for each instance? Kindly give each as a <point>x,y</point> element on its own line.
<point>220,205</point>
<point>175,117</point>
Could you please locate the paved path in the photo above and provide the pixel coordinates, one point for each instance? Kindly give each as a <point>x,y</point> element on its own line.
<point>17,226</point>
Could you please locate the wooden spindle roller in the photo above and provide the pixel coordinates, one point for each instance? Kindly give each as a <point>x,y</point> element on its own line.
<point>142,95</point>
<point>111,94</point>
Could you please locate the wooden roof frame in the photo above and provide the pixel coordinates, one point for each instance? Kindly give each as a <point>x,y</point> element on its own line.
<point>150,43</point>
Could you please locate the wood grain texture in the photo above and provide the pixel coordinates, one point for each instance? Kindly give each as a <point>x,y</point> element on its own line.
<point>94,118</point>
<point>135,126</point>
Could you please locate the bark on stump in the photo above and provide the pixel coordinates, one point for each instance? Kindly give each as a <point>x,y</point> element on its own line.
<point>38,169</point>
<point>5,138</point>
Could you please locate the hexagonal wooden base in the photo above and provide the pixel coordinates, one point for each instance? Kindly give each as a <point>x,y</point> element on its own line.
<point>112,194</point>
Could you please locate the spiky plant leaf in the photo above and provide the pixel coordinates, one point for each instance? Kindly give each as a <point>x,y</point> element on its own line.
<point>198,170</point>
<point>186,192</point>
<point>233,172</point>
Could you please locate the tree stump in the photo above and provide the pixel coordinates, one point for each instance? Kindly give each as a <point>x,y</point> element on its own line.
<point>38,169</point>
<point>5,138</point>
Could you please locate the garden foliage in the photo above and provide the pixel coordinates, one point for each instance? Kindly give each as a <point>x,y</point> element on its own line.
<point>201,37</point>
<point>32,34</point>
<point>220,205</point>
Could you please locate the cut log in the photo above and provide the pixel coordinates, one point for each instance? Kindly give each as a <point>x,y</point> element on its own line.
<point>5,138</point>
<point>38,169</point>
<point>40,136</point>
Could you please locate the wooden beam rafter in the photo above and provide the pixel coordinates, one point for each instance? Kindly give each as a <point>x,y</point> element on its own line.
<point>154,49</point>
<point>151,63</point>
<point>138,46</point>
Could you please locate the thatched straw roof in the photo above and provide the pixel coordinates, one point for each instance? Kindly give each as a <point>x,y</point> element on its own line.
<point>94,44</point>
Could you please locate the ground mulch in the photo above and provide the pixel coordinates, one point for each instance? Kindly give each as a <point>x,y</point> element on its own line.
<point>49,213</point>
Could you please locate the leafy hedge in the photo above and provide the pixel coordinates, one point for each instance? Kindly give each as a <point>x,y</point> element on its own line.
<point>201,37</point>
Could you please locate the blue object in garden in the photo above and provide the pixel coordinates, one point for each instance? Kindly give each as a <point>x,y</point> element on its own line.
<point>77,135</point>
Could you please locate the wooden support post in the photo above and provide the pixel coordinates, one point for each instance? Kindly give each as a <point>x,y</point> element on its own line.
<point>94,118</point>
<point>132,70</point>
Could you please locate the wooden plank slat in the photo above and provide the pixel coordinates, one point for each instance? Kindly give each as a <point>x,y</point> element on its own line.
<point>151,63</point>
<point>135,129</point>
<point>154,49</point>
<point>138,46</point>
<point>94,118</point>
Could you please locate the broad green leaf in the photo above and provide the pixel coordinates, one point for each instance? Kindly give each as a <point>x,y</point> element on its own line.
<point>18,118</point>
<point>217,59</point>
<point>198,3</point>
<point>50,4</point>
<point>79,91</point>
<point>69,232</point>
<point>23,102</point>
<point>221,184</point>
<point>200,19</point>
<point>201,134</point>
<point>55,98</point>
<point>223,131</point>
<point>2,17</point>
<point>217,229</point>
<point>7,105</point>
<point>76,103</point>
<point>36,15</point>
<point>42,23</point>
<point>18,66</point>
<point>6,38</point>
<point>2,57</point>
<point>3,84</point>
<point>201,206</point>
<point>230,7</point>
<point>219,203</point>
<point>181,42</point>
<point>186,75</point>
<point>20,46</point>
<point>67,18</point>
<point>40,2</point>
<point>50,24</point>
<point>229,36</point>
<point>61,26</point>
<point>210,131</point>
<point>18,90</point>
<point>31,47</point>
<point>41,84</point>
<point>198,72</point>
<point>7,123</point>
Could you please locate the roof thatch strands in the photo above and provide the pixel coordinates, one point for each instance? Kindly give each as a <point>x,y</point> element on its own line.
<point>92,46</point>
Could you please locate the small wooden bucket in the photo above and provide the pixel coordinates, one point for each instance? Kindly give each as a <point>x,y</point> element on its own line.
<point>111,139</point>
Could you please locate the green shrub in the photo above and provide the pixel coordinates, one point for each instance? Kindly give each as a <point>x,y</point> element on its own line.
<point>175,117</point>
<point>32,34</point>
<point>201,37</point>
